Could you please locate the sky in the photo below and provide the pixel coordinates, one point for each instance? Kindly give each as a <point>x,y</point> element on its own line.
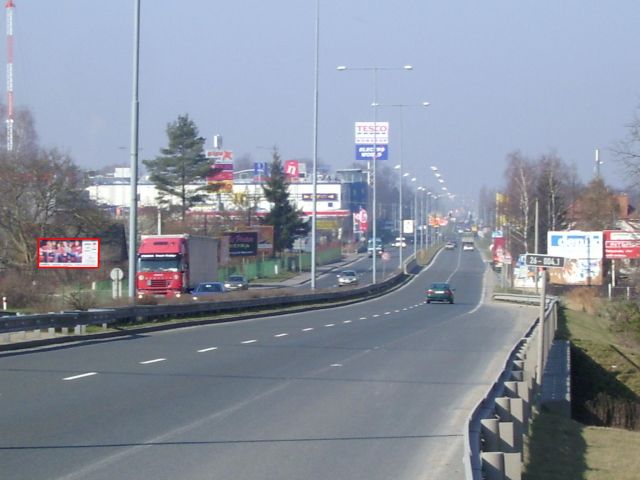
<point>537,76</point>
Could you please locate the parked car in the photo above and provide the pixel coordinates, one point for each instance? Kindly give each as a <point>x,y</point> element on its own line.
<point>236,282</point>
<point>208,288</point>
<point>440,292</point>
<point>348,277</point>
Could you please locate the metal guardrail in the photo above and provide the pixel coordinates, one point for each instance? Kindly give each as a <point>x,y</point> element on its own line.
<point>144,313</point>
<point>494,432</point>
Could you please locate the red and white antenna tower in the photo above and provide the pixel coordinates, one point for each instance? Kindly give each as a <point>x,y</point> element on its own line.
<point>9,6</point>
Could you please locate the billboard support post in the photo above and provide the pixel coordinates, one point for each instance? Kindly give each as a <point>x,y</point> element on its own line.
<point>541,335</point>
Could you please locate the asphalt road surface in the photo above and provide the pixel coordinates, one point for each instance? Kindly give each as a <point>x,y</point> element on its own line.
<point>375,390</point>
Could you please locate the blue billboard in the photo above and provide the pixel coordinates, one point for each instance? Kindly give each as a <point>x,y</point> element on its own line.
<point>365,152</point>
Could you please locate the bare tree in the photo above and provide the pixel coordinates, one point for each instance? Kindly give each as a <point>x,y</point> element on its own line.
<point>520,191</point>
<point>597,208</point>
<point>627,151</point>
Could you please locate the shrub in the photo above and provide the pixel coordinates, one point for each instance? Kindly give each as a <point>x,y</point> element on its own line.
<point>81,300</point>
<point>583,299</point>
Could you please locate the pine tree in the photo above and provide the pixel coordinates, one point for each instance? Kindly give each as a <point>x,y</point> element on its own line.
<point>181,164</point>
<point>287,222</point>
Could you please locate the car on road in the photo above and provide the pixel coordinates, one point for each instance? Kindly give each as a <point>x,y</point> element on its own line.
<point>348,277</point>
<point>206,289</point>
<point>236,282</point>
<point>399,242</point>
<point>468,247</point>
<point>450,245</point>
<point>379,248</point>
<point>440,292</point>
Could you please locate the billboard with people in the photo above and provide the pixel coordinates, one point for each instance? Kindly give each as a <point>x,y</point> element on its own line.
<point>68,253</point>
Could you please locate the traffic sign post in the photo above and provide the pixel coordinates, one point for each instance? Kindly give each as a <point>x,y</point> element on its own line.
<point>544,261</point>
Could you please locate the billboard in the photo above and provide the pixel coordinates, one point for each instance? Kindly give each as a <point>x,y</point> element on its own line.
<point>68,253</point>
<point>221,173</point>
<point>583,252</point>
<point>621,244</point>
<point>365,152</point>
<point>368,135</point>
<point>242,244</point>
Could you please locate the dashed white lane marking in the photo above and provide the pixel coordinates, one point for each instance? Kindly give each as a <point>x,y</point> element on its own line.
<point>347,321</point>
<point>404,309</point>
<point>207,349</point>
<point>249,341</point>
<point>281,335</point>
<point>75,377</point>
<point>155,360</point>
<point>376,315</point>
<point>336,364</point>
<point>330,325</point>
<point>362,318</point>
<point>396,311</point>
<point>387,313</point>
<point>307,329</point>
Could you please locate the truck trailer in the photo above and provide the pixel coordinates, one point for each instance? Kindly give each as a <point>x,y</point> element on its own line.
<point>170,265</point>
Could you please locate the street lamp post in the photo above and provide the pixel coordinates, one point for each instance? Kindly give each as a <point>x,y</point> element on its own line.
<point>401,106</point>
<point>314,169</point>
<point>133,206</point>
<point>374,70</point>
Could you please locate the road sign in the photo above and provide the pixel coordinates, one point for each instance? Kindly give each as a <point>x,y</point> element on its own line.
<point>548,261</point>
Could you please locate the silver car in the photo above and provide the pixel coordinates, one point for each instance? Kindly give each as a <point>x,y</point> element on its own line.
<point>347,277</point>
<point>236,282</point>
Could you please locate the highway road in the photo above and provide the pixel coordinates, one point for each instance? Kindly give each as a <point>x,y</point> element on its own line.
<point>363,267</point>
<point>375,390</point>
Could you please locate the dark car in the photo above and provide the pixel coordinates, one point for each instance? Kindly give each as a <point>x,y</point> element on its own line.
<point>236,282</point>
<point>440,292</point>
<point>208,288</point>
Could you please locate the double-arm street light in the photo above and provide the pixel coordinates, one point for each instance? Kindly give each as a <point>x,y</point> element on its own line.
<point>401,106</point>
<point>374,70</point>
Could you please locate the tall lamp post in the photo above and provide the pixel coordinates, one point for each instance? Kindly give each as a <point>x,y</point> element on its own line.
<point>374,70</point>
<point>401,106</point>
<point>133,206</point>
<point>314,170</point>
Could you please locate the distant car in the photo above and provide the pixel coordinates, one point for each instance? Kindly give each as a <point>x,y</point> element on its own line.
<point>399,242</point>
<point>379,248</point>
<point>208,288</point>
<point>468,247</point>
<point>450,246</point>
<point>440,292</point>
<point>236,282</point>
<point>348,277</point>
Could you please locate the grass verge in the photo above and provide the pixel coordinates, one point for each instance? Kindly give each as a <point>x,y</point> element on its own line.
<point>605,377</point>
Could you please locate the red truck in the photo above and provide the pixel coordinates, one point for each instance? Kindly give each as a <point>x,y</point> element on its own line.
<point>170,265</point>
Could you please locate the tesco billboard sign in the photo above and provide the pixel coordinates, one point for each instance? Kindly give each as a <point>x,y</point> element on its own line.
<point>369,133</point>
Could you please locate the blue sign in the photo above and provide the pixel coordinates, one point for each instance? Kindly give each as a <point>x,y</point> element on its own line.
<point>259,169</point>
<point>365,152</point>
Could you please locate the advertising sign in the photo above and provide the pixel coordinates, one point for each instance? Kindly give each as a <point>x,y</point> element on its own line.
<point>360,221</point>
<point>372,133</point>
<point>365,152</point>
<point>68,253</point>
<point>243,244</point>
<point>583,252</point>
<point>221,173</point>
<point>498,250</point>
<point>292,170</point>
<point>621,244</point>
<point>320,197</point>
<point>524,276</point>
